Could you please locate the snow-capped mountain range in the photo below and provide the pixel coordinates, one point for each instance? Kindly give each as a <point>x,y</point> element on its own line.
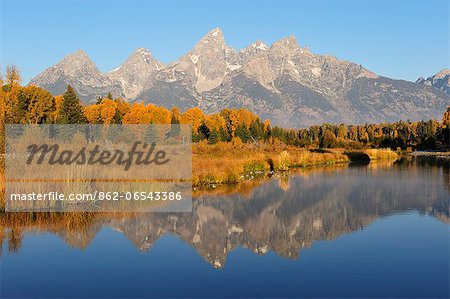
<point>283,82</point>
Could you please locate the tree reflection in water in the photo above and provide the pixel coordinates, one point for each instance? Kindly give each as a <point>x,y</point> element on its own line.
<point>281,214</point>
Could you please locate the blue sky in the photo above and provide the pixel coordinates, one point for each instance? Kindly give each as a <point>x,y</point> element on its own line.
<point>402,39</point>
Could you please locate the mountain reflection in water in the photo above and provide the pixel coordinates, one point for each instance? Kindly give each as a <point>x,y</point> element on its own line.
<point>279,214</point>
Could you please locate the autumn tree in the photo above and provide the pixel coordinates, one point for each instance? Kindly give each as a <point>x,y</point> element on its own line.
<point>13,77</point>
<point>214,121</point>
<point>328,139</point>
<point>11,109</point>
<point>33,104</point>
<point>123,107</point>
<point>106,111</point>
<point>138,114</point>
<point>92,114</point>
<point>446,118</point>
<point>194,117</point>
<point>36,105</point>
<point>2,124</point>
<point>446,129</point>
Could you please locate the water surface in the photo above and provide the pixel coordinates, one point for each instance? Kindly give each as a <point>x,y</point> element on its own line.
<point>350,231</point>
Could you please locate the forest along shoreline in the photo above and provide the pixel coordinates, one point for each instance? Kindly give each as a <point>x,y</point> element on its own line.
<point>229,146</point>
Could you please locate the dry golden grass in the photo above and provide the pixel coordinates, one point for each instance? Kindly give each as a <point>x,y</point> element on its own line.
<point>228,163</point>
<point>222,163</point>
<point>381,154</point>
<point>303,157</point>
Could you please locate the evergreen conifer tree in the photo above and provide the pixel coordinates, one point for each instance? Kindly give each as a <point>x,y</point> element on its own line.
<point>71,110</point>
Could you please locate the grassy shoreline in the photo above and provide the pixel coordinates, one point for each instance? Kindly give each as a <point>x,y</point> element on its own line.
<point>233,163</point>
<point>227,163</point>
<point>431,154</point>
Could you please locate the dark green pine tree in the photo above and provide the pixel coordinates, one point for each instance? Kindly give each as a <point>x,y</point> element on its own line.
<point>23,104</point>
<point>257,130</point>
<point>71,110</point>
<point>203,131</point>
<point>214,137</point>
<point>118,117</point>
<point>224,135</point>
<point>151,134</point>
<point>174,127</point>
<point>195,137</point>
<point>243,132</point>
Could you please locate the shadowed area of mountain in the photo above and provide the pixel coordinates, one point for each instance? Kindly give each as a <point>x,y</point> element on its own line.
<point>168,94</point>
<point>389,99</point>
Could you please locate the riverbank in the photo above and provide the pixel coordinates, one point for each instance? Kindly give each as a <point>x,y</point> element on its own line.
<point>232,163</point>
<point>430,154</point>
<point>228,163</point>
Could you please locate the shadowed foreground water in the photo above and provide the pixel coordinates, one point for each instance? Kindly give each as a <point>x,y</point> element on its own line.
<point>351,231</point>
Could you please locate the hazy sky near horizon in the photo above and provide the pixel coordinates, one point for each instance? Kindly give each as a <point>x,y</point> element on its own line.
<point>402,39</point>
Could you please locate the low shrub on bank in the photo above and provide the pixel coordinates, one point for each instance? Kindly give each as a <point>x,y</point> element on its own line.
<point>381,154</point>
<point>283,161</point>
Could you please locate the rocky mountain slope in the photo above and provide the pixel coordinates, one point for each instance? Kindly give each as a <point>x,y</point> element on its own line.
<point>78,70</point>
<point>137,72</point>
<point>440,80</point>
<point>283,82</point>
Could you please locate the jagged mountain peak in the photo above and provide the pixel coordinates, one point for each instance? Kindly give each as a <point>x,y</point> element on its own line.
<point>205,66</point>
<point>77,58</point>
<point>420,80</point>
<point>439,75</point>
<point>442,74</point>
<point>74,64</point>
<point>260,45</point>
<point>287,42</point>
<point>78,54</point>
<point>213,40</point>
<point>141,56</point>
<point>137,72</point>
<point>146,56</point>
<point>441,80</point>
<point>283,82</point>
<point>142,53</point>
<point>78,70</point>
<point>215,33</point>
<point>257,47</point>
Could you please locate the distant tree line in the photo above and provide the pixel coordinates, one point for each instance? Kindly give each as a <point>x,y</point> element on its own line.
<point>35,105</point>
